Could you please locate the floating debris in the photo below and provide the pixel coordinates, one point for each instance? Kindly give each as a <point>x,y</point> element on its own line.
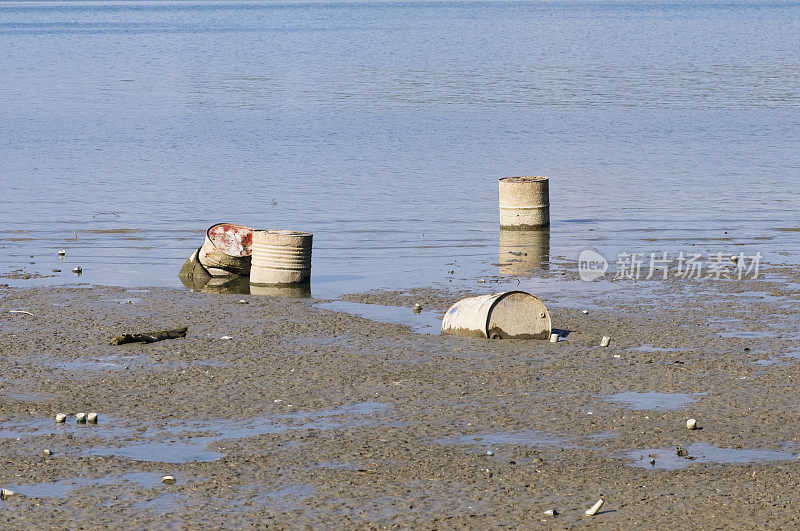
<point>168,480</point>
<point>594,508</point>
<point>605,341</point>
<point>691,424</point>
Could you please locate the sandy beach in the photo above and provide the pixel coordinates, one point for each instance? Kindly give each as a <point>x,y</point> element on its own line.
<point>312,417</point>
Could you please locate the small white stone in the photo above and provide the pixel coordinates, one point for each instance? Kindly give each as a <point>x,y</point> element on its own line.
<point>605,341</point>
<point>81,418</point>
<point>489,453</point>
<point>168,480</point>
<point>242,301</point>
<point>691,424</point>
<point>6,493</point>
<point>585,312</point>
<point>46,452</point>
<point>553,338</point>
<point>91,418</point>
<point>617,356</point>
<point>551,512</point>
<point>594,508</point>
<point>226,337</point>
<point>61,418</point>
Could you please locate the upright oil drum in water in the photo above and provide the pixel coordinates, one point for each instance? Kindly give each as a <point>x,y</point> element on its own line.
<point>227,250</point>
<point>281,257</point>
<point>506,315</point>
<point>524,202</point>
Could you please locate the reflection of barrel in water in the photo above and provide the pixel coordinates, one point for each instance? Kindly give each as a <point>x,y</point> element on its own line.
<point>293,290</point>
<point>233,284</point>
<point>522,252</point>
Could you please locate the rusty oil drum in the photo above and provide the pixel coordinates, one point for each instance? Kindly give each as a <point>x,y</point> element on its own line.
<point>506,315</point>
<point>227,250</point>
<point>524,202</point>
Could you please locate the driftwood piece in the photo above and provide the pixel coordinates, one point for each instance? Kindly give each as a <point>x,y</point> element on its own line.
<point>149,337</point>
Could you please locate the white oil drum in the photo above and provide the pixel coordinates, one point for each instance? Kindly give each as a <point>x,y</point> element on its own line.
<point>524,202</point>
<point>506,315</point>
<point>281,257</point>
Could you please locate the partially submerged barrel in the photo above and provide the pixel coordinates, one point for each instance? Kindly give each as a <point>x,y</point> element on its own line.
<point>193,274</point>
<point>506,315</point>
<point>523,252</point>
<point>281,257</point>
<point>524,202</point>
<point>227,250</point>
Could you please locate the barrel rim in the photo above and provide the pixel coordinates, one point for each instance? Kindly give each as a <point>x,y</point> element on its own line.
<point>284,232</point>
<point>525,179</point>
<point>497,298</point>
<point>214,244</point>
<point>503,295</point>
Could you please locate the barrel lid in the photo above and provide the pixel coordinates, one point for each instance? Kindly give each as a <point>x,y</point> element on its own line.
<point>524,179</point>
<point>231,239</point>
<point>518,315</point>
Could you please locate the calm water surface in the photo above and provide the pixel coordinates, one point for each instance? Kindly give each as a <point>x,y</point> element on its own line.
<point>382,127</point>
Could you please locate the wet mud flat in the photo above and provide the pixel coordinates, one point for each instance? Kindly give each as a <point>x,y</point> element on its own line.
<point>306,415</point>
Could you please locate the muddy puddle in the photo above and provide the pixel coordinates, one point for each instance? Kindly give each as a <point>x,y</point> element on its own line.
<point>183,441</point>
<point>425,322</point>
<point>780,359</point>
<point>161,504</point>
<point>700,452</point>
<point>188,441</point>
<point>652,400</point>
<point>650,348</point>
<point>119,363</point>
<point>61,488</point>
